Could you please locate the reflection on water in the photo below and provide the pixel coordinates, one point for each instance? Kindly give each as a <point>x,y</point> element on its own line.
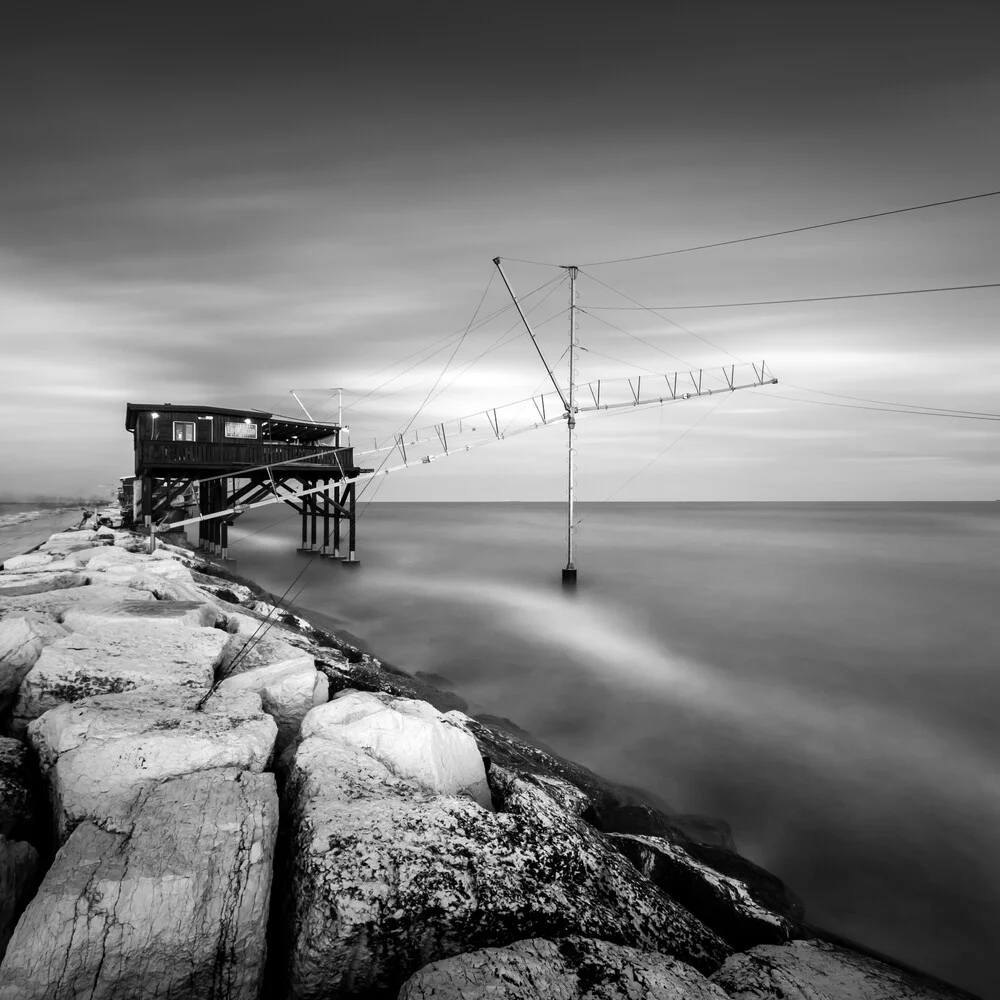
<point>822,676</point>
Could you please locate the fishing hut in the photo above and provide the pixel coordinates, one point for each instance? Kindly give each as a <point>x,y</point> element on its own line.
<point>205,464</point>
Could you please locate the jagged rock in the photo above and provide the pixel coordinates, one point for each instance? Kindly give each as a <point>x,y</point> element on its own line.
<point>58,541</point>
<point>100,753</point>
<point>385,876</point>
<point>366,674</point>
<point>608,807</point>
<point>19,805</point>
<point>124,655</point>
<point>57,602</point>
<point>288,691</point>
<point>175,907</point>
<point>105,556</point>
<point>409,737</point>
<point>22,639</point>
<point>23,584</point>
<point>815,970</point>
<point>254,643</point>
<point>19,873</point>
<point>744,904</point>
<point>571,968</point>
<point>30,560</point>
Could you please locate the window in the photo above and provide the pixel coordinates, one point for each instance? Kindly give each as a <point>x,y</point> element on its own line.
<point>241,429</point>
<point>183,430</point>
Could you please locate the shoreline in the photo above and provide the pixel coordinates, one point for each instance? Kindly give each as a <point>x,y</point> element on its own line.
<point>671,868</point>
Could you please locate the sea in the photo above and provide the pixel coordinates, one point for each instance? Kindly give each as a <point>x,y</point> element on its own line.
<point>825,677</point>
<point>26,525</point>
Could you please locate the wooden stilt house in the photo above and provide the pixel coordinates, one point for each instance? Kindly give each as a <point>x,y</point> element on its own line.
<point>218,457</point>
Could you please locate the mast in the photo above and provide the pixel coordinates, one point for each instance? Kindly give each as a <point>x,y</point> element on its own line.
<point>569,573</point>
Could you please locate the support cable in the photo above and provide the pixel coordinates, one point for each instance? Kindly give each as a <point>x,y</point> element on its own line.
<point>886,402</point>
<point>798,229</point>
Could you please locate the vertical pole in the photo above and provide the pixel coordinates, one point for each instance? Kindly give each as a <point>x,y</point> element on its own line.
<point>304,547</point>
<point>325,551</point>
<point>313,511</point>
<point>569,573</point>
<point>340,408</point>
<point>352,555</point>
<point>336,522</point>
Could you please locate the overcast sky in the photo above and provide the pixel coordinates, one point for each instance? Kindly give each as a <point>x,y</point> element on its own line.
<point>218,209</point>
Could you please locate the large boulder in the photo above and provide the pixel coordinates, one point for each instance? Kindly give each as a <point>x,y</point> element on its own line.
<point>20,809</point>
<point>571,968</point>
<point>744,904</point>
<point>175,906</point>
<point>28,561</point>
<point>23,584</point>
<point>816,970</point>
<point>19,874</point>
<point>385,876</point>
<point>56,603</point>
<point>100,754</point>
<point>22,639</point>
<point>409,737</point>
<point>93,620</point>
<point>288,690</point>
<point>121,656</point>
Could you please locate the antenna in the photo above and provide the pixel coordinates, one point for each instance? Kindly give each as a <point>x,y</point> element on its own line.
<point>569,573</point>
<point>299,401</point>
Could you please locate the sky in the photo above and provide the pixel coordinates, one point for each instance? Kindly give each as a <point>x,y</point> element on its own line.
<point>221,207</point>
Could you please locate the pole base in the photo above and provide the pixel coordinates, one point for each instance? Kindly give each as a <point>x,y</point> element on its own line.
<point>306,551</point>
<point>569,577</point>
<point>352,561</point>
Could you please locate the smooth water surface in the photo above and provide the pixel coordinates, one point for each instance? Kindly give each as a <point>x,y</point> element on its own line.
<point>823,676</point>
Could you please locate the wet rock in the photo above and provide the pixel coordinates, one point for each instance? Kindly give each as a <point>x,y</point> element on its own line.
<point>288,691</point>
<point>608,807</point>
<point>409,737</point>
<point>571,968</point>
<point>19,877</point>
<point>104,556</point>
<point>57,602</point>
<point>30,560</point>
<point>100,754</point>
<point>20,809</point>
<point>815,970</point>
<point>367,674</point>
<point>93,620</point>
<point>124,655</point>
<point>176,906</point>
<point>385,876</point>
<point>744,904</point>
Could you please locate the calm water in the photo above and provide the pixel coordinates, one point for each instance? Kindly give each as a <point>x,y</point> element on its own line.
<point>824,676</point>
<point>25,525</point>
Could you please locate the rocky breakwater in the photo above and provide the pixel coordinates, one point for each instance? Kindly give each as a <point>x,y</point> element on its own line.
<point>186,812</point>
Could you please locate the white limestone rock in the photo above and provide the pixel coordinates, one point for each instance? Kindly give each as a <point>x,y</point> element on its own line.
<point>24,584</point>
<point>385,876</point>
<point>30,560</point>
<point>288,691</point>
<point>570,968</point>
<point>19,874</point>
<point>744,904</point>
<point>65,542</point>
<point>197,614</point>
<point>815,970</point>
<point>409,737</point>
<point>104,556</point>
<point>254,643</point>
<point>20,647</point>
<point>56,603</point>
<point>99,754</point>
<point>176,906</point>
<point>124,655</point>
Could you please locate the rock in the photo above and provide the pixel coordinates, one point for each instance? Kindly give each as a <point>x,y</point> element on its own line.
<point>65,542</point>
<point>571,968</point>
<point>385,876</point>
<point>367,674</point>
<point>288,691</point>
<point>99,754</point>
<point>196,614</point>
<point>815,970</point>
<point>57,602</point>
<point>19,806</point>
<point>254,643</point>
<point>20,646</point>
<point>175,907</point>
<point>105,556</point>
<point>411,738</point>
<point>608,807</point>
<point>19,875</point>
<point>22,584</point>
<point>744,904</point>
<point>30,560</point>
<point>124,655</point>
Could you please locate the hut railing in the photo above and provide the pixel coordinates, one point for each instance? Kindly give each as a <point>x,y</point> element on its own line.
<point>214,454</point>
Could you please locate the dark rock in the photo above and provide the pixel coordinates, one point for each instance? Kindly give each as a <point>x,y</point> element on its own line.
<point>370,675</point>
<point>744,904</point>
<point>570,968</point>
<point>815,970</point>
<point>21,805</point>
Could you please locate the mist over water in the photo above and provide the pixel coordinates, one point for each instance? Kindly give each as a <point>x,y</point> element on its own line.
<point>823,676</point>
